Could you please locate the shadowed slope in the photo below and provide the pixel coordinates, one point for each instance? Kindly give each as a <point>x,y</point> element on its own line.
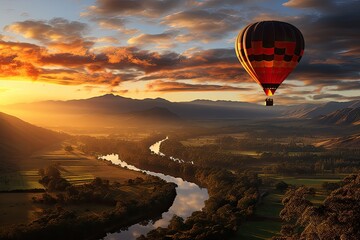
<point>18,137</point>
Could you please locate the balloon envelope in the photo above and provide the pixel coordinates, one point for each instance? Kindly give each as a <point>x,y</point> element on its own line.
<point>269,51</point>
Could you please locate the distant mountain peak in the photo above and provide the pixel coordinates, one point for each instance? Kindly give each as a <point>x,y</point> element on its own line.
<point>107,96</point>
<point>110,95</point>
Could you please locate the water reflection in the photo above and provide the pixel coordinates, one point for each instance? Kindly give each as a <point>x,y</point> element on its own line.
<point>155,149</point>
<point>189,198</point>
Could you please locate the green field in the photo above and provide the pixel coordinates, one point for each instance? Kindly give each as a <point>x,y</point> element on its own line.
<point>265,223</point>
<point>309,181</point>
<point>19,180</point>
<point>75,167</point>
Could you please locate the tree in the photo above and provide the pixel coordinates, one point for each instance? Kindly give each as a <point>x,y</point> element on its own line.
<point>52,171</point>
<point>176,223</point>
<point>329,186</point>
<point>41,172</point>
<point>69,148</point>
<point>337,218</point>
<point>295,203</point>
<point>281,186</point>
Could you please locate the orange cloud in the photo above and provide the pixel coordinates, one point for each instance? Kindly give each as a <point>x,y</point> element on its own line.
<point>113,65</point>
<point>12,57</point>
<point>161,86</point>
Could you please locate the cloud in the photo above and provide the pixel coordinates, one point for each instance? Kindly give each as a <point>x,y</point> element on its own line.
<point>16,59</point>
<point>203,4</point>
<point>318,4</point>
<point>113,23</point>
<point>327,31</point>
<point>58,33</point>
<point>204,25</point>
<point>348,85</point>
<point>162,40</point>
<point>107,40</point>
<point>17,68</point>
<point>324,71</point>
<point>29,61</point>
<point>326,96</point>
<point>112,65</point>
<point>214,65</point>
<point>25,14</point>
<point>162,86</point>
<point>331,42</point>
<point>68,56</point>
<point>148,8</point>
<point>57,29</point>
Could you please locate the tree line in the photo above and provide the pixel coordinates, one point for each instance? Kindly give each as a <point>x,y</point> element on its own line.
<point>336,218</point>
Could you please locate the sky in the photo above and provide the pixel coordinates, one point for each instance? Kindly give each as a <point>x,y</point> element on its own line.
<point>179,50</point>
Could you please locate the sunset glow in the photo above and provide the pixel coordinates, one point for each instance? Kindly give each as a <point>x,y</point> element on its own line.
<point>177,50</point>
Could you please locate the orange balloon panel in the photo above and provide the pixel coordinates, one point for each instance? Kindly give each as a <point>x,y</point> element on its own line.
<point>269,51</point>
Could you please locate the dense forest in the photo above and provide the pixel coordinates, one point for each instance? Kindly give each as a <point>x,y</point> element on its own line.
<point>336,218</point>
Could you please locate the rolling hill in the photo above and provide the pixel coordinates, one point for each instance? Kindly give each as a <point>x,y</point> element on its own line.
<point>345,116</point>
<point>316,110</point>
<point>352,141</point>
<point>20,138</point>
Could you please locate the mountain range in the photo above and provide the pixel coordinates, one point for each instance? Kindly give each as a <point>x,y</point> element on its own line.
<point>110,109</point>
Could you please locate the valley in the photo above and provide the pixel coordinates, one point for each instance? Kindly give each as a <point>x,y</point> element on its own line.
<point>262,156</point>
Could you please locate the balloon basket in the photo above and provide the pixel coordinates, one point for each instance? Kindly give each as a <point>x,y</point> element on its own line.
<point>269,102</point>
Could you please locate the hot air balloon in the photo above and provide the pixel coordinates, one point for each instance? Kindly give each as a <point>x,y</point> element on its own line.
<point>269,51</point>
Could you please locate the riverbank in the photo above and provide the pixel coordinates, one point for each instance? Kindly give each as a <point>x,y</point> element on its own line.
<point>232,195</point>
<point>22,219</point>
<point>62,222</point>
<point>76,167</point>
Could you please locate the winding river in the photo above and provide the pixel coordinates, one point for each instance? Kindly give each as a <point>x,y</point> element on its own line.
<point>189,198</point>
